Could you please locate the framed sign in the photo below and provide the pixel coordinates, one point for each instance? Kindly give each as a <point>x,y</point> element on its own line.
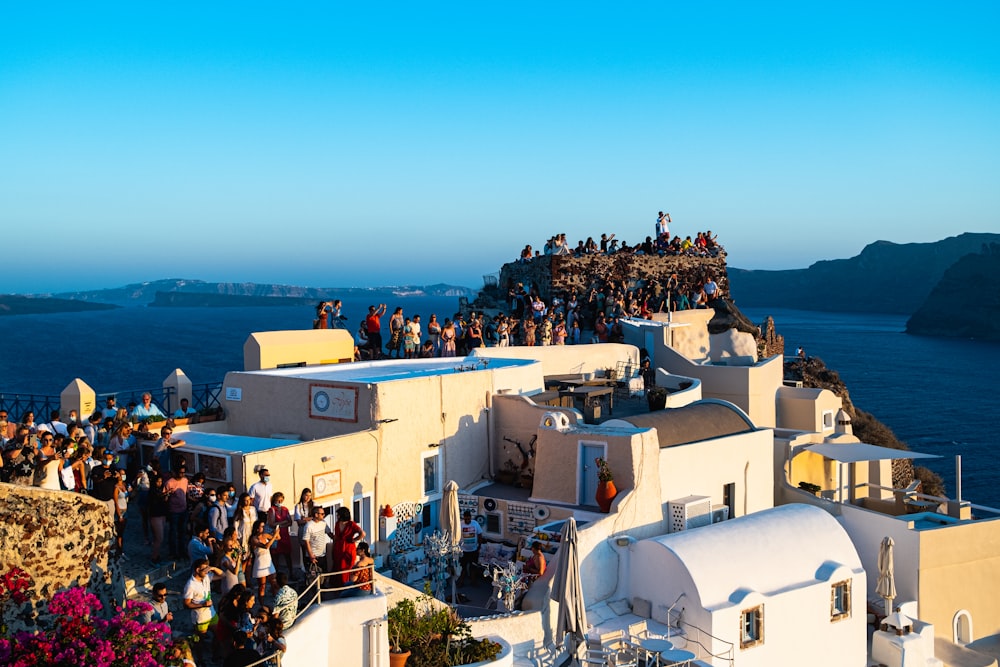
<point>337,403</point>
<point>326,485</point>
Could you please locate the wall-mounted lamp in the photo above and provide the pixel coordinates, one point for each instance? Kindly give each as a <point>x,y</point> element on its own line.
<point>434,444</point>
<point>327,459</point>
<point>385,421</point>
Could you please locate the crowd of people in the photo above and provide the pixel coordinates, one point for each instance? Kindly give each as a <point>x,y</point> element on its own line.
<point>661,243</point>
<point>240,545</point>
<point>567,318</point>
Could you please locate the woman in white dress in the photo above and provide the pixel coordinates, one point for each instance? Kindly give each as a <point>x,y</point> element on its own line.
<point>243,520</point>
<point>263,567</point>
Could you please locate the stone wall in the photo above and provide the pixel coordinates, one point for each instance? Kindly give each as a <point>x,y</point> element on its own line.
<point>60,539</point>
<point>553,274</point>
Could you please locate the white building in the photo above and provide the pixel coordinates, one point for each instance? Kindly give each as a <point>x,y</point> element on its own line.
<point>772,588</point>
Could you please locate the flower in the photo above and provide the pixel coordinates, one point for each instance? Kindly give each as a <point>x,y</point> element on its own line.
<point>604,473</point>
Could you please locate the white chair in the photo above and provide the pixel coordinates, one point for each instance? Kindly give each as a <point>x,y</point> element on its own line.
<point>637,631</point>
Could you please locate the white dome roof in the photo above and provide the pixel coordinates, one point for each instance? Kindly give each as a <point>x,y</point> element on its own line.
<point>766,551</point>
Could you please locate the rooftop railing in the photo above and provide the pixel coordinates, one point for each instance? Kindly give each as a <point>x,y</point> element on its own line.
<point>205,395</point>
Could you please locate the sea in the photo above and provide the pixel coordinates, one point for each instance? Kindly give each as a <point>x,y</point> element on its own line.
<point>936,394</point>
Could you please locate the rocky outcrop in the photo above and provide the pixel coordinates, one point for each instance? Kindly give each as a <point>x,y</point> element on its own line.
<point>885,278</point>
<point>566,274</point>
<point>966,301</point>
<point>60,539</point>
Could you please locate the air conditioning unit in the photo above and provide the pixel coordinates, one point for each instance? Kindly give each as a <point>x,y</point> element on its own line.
<point>720,513</point>
<point>688,512</point>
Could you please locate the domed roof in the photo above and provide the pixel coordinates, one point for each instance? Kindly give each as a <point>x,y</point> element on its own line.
<point>776,549</point>
<point>698,421</point>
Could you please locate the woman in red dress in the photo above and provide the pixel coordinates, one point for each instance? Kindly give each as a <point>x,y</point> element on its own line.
<point>346,535</point>
<point>279,519</point>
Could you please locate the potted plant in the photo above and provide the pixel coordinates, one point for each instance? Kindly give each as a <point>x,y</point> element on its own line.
<point>606,490</point>
<point>656,398</point>
<point>422,635</point>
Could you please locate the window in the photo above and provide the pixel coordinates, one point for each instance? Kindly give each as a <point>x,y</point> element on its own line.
<point>432,474</point>
<point>827,419</point>
<point>752,627</point>
<point>840,600</point>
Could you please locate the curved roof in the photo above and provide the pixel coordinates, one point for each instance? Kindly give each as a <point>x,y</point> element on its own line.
<point>767,551</point>
<point>698,421</point>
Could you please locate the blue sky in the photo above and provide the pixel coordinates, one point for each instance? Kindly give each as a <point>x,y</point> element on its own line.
<point>332,145</point>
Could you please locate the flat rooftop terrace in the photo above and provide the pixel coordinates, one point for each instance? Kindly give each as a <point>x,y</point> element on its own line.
<point>374,372</point>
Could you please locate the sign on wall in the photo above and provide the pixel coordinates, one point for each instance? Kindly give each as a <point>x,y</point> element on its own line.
<point>327,401</point>
<point>326,485</point>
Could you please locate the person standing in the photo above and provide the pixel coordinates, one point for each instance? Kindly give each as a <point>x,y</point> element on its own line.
<point>279,519</point>
<point>397,324</point>
<point>373,325</point>
<point>176,489</point>
<point>471,537</point>
<point>261,492</point>
<point>316,539</point>
<point>198,597</point>
<point>346,535</point>
<point>434,334</point>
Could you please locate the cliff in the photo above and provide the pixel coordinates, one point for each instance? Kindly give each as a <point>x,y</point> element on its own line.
<point>965,303</point>
<point>885,278</point>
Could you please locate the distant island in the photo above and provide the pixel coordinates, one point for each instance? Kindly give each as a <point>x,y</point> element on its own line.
<point>179,292</point>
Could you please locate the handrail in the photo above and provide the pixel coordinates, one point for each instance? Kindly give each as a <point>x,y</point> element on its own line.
<point>318,584</point>
<point>725,655</point>
<point>268,660</point>
<point>18,404</point>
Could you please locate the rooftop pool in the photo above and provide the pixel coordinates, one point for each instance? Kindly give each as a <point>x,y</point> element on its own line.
<point>386,370</point>
<point>928,520</point>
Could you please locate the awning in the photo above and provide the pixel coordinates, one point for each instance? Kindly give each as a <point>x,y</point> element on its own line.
<point>856,452</point>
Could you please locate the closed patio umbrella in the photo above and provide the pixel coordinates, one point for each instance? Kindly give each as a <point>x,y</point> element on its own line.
<point>451,523</point>
<point>886,586</point>
<point>450,519</point>
<point>567,589</point>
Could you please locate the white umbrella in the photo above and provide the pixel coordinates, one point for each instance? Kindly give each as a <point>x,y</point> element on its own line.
<point>886,586</point>
<point>450,519</point>
<point>451,523</point>
<point>567,589</point>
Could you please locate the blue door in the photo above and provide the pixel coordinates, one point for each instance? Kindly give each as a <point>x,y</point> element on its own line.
<point>588,472</point>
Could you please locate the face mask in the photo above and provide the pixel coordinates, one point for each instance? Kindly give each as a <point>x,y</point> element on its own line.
<point>267,478</point>
<point>70,451</point>
<point>212,499</point>
<point>108,462</point>
<point>277,504</point>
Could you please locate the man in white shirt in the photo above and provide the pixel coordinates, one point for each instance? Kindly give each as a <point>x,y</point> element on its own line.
<point>471,536</point>
<point>198,596</point>
<point>316,537</point>
<point>261,493</point>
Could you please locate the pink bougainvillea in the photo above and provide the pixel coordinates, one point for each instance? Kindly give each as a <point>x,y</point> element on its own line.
<point>79,635</point>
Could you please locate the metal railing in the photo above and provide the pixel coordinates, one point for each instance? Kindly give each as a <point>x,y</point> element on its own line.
<point>728,654</point>
<point>203,396</point>
<point>17,405</point>
<point>320,585</point>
